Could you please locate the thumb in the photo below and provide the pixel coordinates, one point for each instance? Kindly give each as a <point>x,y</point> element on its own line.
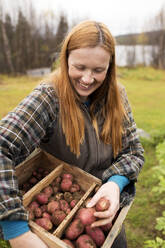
<point>93,201</point>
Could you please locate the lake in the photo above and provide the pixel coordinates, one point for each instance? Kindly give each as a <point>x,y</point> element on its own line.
<point>134,55</point>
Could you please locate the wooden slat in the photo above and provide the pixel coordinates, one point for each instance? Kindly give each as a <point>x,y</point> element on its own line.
<point>116,227</point>
<point>49,239</point>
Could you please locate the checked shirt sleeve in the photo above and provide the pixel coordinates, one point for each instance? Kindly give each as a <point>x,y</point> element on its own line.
<point>130,160</point>
<point>21,132</point>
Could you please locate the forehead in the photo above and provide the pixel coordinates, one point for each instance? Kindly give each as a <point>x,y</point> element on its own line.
<point>89,55</point>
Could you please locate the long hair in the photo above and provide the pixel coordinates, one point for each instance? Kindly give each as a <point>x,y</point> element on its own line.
<point>90,34</point>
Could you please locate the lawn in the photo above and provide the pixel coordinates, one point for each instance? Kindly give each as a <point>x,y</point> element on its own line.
<point>146,89</point>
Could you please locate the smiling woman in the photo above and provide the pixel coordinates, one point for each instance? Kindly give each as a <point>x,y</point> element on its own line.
<point>81,115</point>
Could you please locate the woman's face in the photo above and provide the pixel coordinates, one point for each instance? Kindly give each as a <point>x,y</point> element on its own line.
<point>87,68</point>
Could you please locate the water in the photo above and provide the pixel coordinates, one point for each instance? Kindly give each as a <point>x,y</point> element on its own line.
<point>134,55</point>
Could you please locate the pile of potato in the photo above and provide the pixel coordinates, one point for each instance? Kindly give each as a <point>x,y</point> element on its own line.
<point>49,207</point>
<point>36,176</point>
<point>80,234</point>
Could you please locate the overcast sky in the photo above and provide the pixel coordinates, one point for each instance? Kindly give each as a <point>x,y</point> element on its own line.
<point>121,16</point>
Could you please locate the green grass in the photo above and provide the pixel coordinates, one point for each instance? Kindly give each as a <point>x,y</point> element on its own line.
<point>146,89</point>
<point>13,90</point>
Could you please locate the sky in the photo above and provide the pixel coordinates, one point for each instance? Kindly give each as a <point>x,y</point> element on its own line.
<point>121,16</point>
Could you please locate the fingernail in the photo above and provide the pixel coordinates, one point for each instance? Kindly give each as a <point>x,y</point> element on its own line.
<point>88,205</point>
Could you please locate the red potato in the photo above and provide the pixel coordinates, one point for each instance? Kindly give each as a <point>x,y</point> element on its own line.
<point>67,176</point>
<point>86,215</point>
<point>31,215</point>
<point>63,205</point>
<point>78,195</point>
<point>37,212</point>
<point>67,211</point>
<point>42,198</point>
<point>45,173</point>
<point>68,242</point>
<point>48,191</point>
<point>33,205</point>
<point>43,208</point>
<point>45,223</point>
<point>65,185</point>
<point>68,196</point>
<point>73,203</point>
<point>58,217</point>
<point>46,215</point>
<point>53,206</point>
<point>102,204</point>
<point>85,241</point>
<point>106,228</point>
<point>74,229</point>
<point>26,186</point>
<point>74,188</point>
<point>56,189</point>
<point>40,170</point>
<point>39,176</point>
<point>33,180</point>
<point>96,234</point>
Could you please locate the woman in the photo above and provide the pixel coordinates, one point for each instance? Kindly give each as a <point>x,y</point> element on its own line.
<point>81,116</point>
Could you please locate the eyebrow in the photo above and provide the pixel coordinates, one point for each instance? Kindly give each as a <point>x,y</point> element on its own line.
<point>97,67</point>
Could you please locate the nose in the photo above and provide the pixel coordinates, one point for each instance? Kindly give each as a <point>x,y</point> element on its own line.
<point>87,78</point>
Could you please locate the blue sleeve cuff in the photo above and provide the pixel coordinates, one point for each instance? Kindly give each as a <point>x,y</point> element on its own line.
<point>121,181</point>
<point>13,228</point>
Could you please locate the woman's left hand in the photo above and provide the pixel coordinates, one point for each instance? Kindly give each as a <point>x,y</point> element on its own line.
<point>110,191</point>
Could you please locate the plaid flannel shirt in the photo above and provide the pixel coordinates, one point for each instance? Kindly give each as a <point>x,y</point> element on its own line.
<point>22,130</point>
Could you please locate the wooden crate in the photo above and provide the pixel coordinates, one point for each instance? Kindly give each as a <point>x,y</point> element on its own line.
<point>87,183</point>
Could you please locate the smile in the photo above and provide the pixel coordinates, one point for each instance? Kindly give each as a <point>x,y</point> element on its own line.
<point>86,86</point>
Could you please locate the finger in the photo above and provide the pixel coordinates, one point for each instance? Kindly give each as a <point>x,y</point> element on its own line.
<point>94,200</point>
<point>104,214</point>
<point>101,222</point>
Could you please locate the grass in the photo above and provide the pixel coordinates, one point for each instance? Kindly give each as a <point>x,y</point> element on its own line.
<point>145,88</point>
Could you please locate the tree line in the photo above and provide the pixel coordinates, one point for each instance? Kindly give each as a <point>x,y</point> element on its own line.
<point>29,42</point>
<point>154,36</point>
<point>33,41</point>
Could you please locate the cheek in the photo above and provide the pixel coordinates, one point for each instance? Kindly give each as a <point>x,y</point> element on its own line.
<point>101,77</point>
<point>73,74</point>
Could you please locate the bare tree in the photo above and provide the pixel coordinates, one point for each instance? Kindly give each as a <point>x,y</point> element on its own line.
<point>6,46</point>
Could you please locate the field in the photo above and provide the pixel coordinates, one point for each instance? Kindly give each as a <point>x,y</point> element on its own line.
<point>146,89</point>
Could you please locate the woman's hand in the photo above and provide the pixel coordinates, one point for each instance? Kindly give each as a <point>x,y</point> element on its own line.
<point>110,191</point>
<point>27,240</point>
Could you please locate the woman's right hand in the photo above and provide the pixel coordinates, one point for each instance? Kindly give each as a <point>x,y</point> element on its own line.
<point>27,240</point>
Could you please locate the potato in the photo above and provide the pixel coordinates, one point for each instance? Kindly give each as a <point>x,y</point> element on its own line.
<point>74,229</point>
<point>86,215</point>
<point>37,212</point>
<point>73,203</point>
<point>66,185</point>
<point>102,204</point>
<point>85,241</point>
<point>63,205</point>
<point>33,205</point>
<point>42,198</point>
<point>53,206</point>
<point>106,228</point>
<point>74,188</point>
<point>67,176</point>
<point>68,242</point>
<point>68,196</point>
<point>48,191</point>
<point>45,223</point>
<point>58,217</point>
<point>96,234</point>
